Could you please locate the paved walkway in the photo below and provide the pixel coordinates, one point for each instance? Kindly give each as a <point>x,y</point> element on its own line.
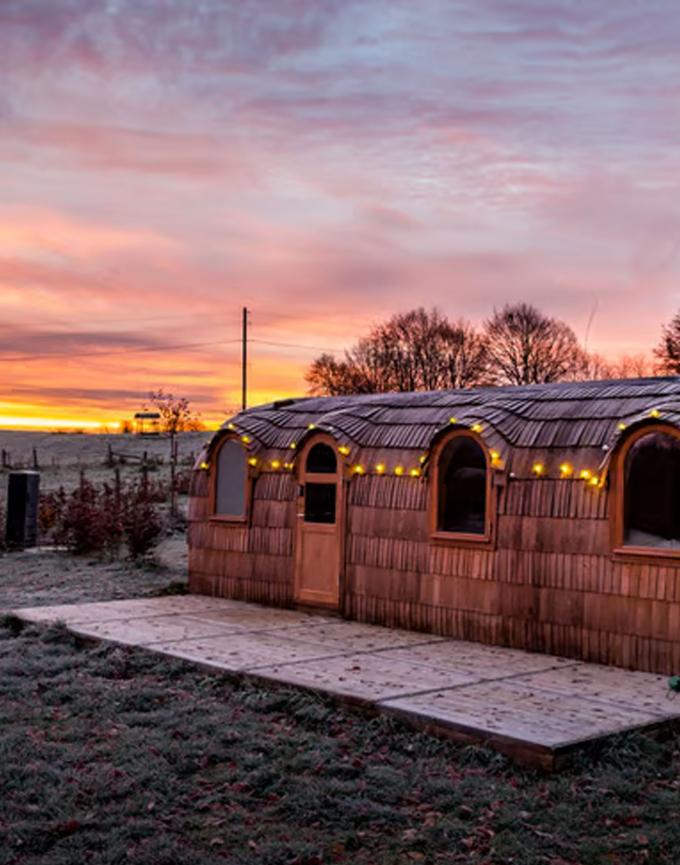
<point>538,708</point>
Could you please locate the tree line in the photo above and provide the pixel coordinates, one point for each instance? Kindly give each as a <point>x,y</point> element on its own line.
<point>425,350</point>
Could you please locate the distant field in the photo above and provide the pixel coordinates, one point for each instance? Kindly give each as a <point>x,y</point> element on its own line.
<point>61,457</point>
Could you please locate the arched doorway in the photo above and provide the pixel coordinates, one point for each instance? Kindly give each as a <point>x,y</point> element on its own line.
<point>318,548</point>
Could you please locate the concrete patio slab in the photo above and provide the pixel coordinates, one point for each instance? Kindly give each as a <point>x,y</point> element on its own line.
<point>104,611</point>
<point>370,677</point>
<point>485,662</point>
<point>538,708</point>
<point>241,651</point>
<point>147,630</point>
<point>611,685</point>
<point>545,718</point>
<point>363,638</point>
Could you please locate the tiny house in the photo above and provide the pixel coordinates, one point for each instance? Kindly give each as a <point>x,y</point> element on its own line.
<point>544,517</point>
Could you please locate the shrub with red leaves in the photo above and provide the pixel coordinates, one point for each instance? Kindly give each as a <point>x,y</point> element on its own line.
<point>51,509</point>
<point>100,520</point>
<point>143,521</point>
<point>84,525</point>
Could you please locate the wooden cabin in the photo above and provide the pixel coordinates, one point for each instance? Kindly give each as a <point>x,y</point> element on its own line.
<point>544,517</point>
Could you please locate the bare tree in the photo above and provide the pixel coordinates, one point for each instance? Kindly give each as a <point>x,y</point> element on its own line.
<point>633,366</point>
<point>328,376</point>
<point>175,411</point>
<point>527,347</point>
<point>595,368</point>
<point>667,352</point>
<point>416,350</point>
<point>176,416</point>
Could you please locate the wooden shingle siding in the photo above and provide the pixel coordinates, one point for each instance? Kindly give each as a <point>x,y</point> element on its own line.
<point>547,580</point>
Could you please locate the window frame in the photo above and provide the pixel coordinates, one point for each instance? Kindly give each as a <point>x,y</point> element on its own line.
<point>303,476</point>
<point>248,484</point>
<point>621,550</point>
<point>461,539</point>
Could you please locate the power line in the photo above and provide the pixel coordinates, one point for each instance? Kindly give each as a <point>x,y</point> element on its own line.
<point>295,345</point>
<point>30,357</point>
<point>26,358</point>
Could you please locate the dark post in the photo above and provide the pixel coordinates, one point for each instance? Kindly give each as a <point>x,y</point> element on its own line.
<point>23,490</point>
<point>173,475</point>
<point>35,459</point>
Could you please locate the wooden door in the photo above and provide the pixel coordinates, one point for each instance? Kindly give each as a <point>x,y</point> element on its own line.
<point>318,550</point>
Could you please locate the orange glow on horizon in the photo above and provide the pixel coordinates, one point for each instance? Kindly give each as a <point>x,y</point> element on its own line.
<point>30,422</point>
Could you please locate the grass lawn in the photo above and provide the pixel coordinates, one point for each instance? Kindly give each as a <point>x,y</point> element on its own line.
<point>114,755</point>
<point>40,577</point>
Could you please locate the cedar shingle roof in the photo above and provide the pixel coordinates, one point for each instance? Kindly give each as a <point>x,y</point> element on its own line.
<point>564,415</point>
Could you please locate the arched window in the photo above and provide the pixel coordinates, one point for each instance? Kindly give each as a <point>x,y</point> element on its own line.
<point>462,487</point>
<point>651,491</point>
<point>321,460</point>
<point>231,473</point>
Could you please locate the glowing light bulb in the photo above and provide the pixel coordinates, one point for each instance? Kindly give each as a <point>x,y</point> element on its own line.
<point>344,450</point>
<point>399,471</point>
<point>477,427</point>
<point>288,465</point>
<point>311,426</point>
<point>621,427</point>
<point>231,426</point>
<point>292,446</point>
<point>566,470</point>
<point>252,461</point>
<point>415,473</point>
<point>275,464</point>
<point>538,469</point>
<point>655,413</point>
<point>380,469</point>
<point>358,470</point>
<point>205,466</point>
<point>423,458</point>
<point>495,455</point>
<point>246,440</point>
<point>594,481</point>
<point>452,420</point>
<point>585,474</point>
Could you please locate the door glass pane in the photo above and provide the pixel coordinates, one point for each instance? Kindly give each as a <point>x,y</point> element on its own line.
<point>319,503</point>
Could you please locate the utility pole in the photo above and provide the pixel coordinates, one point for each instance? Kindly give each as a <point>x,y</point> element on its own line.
<point>244,360</point>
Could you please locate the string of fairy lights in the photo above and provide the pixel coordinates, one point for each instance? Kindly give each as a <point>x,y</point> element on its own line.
<point>567,471</point>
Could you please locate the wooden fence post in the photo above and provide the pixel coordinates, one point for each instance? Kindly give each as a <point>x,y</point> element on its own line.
<point>173,476</point>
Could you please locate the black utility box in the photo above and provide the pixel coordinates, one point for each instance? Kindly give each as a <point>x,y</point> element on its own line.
<point>23,492</point>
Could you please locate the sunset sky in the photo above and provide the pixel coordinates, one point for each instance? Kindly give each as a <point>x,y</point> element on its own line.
<point>326,163</point>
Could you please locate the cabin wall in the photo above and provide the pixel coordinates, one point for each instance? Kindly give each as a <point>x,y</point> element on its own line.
<point>249,561</point>
<point>548,582</point>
